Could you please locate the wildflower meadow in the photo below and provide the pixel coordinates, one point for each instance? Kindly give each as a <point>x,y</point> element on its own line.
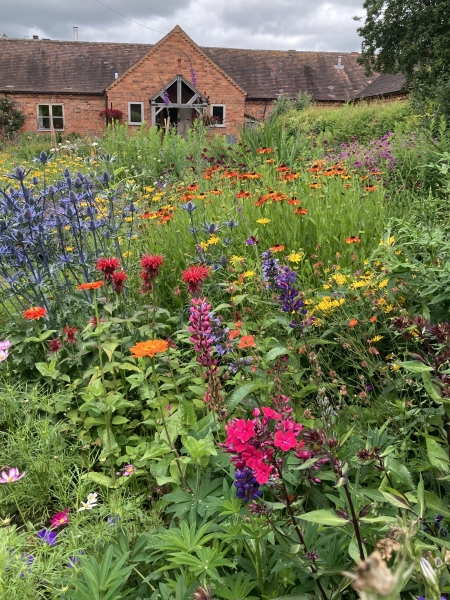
<point>225,369</point>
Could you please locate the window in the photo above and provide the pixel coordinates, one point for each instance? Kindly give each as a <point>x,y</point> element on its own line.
<point>135,113</point>
<point>218,115</point>
<point>50,116</point>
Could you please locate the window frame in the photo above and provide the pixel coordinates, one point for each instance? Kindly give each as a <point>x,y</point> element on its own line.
<point>51,117</point>
<point>130,122</point>
<point>223,124</point>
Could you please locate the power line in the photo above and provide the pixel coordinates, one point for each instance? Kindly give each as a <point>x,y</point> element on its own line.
<point>128,19</point>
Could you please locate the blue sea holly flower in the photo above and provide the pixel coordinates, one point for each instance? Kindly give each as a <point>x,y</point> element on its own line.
<point>189,207</point>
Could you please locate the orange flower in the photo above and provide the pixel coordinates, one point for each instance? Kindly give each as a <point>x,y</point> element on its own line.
<point>93,285</point>
<point>353,322</point>
<point>243,194</point>
<point>315,186</point>
<point>364,178</point>
<point>234,333</point>
<point>247,341</point>
<point>149,348</point>
<point>278,248</point>
<point>370,188</point>
<point>264,151</point>
<point>373,319</point>
<point>238,324</point>
<point>353,239</point>
<point>301,211</point>
<point>34,313</point>
<point>294,201</point>
<point>270,161</point>
<point>193,187</point>
<point>215,192</point>
<point>347,185</point>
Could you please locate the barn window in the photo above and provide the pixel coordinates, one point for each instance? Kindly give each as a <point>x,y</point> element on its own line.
<point>135,113</point>
<point>218,115</point>
<point>50,116</point>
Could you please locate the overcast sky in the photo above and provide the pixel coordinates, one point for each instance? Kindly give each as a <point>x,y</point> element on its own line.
<point>265,24</point>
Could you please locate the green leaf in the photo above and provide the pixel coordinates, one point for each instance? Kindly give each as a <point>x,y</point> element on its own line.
<point>421,496</point>
<point>400,471</point>
<point>118,420</point>
<point>109,348</point>
<point>437,456</point>
<point>415,366</point>
<point>241,392</point>
<point>324,517</point>
<point>436,504</point>
<point>396,499</point>
<point>432,389</point>
<point>129,367</point>
<point>99,478</point>
<point>276,352</point>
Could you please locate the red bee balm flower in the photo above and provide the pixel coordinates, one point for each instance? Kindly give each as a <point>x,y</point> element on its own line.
<point>60,518</point>
<point>108,266</point>
<point>194,277</point>
<point>285,440</point>
<point>54,345</point>
<point>119,278</point>
<point>34,313</point>
<point>150,268</point>
<point>70,334</point>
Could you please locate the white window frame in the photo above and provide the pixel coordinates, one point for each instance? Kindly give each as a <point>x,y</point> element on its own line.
<point>130,122</point>
<point>51,117</point>
<point>223,124</point>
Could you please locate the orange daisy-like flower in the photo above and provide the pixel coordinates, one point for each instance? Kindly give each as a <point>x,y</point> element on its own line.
<point>315,186</point>
<point>234,333</point>
<point>301,211</point>
<point>373,319</point>
<point>149,348</point>
<point>353,322</point>
<point>93,285</point>
<point>353,239</point>
<point>294,201</point>
<point>364,177</point>
<point>270,161</point>
<point>347,185</point>
<point>215,192</point>
<point>278,248</point>
<point>370,188</point>
<point>34,313</point>
<point>264,150</point>
<point>247,341</point>
<point>193,187</point>
<point>243,194</point>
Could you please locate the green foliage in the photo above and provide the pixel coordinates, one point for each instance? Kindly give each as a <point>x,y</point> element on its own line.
<point>11,118</point>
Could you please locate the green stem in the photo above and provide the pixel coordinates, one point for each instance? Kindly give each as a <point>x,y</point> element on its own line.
<point>259,566</point>
<point>18,508</point>
<point>153,309</point>
<point>169,439</point>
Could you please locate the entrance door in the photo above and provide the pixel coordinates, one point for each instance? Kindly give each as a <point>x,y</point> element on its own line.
<point>185,116</point>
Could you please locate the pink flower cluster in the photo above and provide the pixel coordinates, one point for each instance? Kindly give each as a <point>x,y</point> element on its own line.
<point>260,443</point>
<point>200,328</point>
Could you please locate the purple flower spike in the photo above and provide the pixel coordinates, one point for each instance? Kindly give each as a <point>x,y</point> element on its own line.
<point>47,536</point>
<point>12,475</point>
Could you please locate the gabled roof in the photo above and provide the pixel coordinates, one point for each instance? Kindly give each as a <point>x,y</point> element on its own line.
<point>383,85</point>
<point>263,73</point>
<point>71,67</point>
<point>49,66</point>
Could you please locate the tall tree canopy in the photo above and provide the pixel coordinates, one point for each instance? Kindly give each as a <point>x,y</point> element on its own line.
<point>411,36</point>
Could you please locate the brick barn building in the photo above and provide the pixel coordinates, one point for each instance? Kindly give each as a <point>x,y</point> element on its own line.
<point>62,86</point>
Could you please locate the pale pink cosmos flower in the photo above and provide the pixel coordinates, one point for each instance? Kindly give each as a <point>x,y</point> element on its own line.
<point>12,475</point>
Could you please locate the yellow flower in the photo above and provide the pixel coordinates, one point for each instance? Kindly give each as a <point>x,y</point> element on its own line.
<point>203,245</point>
<point>213,240</point>
<point>263,221</point>
<point>394,367</point>
<point>237,259</point>
<point>383,283</point>
<point>69,249</point>
<point>249,274</point>
<point>128,219</point>
<point>326,287</point>
<point>377,338</point>
<point>67,227</point>
<point>126,254</point>
<point>295,257</point>
<point>339,279</point>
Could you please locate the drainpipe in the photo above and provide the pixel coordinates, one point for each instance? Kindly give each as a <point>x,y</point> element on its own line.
<point>265,108</point>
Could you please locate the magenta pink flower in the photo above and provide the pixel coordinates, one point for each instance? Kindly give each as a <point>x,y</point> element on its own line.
<point>285,440</point>
<point>262,472</point>
<point>12,475</point>
<point>269,413</point>
<point>239,432</point>
<point>252,456</point>
<point>60,518</point>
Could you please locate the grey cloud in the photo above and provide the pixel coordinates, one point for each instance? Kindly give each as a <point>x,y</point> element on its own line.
<point>266,24</point>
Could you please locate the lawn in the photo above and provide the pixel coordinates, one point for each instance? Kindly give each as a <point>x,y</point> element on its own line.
<point>225,369</point>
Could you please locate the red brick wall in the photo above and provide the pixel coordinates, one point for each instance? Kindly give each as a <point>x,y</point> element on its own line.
<point>80,112</point>
<point>174,55</point>
<point>259,109</point>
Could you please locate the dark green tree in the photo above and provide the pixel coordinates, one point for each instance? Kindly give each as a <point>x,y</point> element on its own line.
<point>413,37</point>
<point>11,118</point>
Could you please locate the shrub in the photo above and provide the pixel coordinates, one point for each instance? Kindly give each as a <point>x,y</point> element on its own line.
<point>11,118</point>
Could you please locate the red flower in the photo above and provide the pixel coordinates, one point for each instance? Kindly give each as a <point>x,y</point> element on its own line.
<point>353,239</point>
<point>60,518</point>
<point>150,264</point>
<point>119,278</point>
<point>261,471</point>
<point>251,456</point>
<point>285,440</point>
<point>194,277</point>
<point>54,345</point>
<point>247,341</point>
<point>108,266</point>
<point>238,434</point>
<point>269,413</point>
<point>234,333</point>
<point>70,334</point>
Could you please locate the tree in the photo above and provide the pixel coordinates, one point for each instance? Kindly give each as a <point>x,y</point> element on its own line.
<point>410,36</point>
<point>11,118</point>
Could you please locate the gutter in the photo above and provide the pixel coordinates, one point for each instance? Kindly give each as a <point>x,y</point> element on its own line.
<point>46,93</point>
